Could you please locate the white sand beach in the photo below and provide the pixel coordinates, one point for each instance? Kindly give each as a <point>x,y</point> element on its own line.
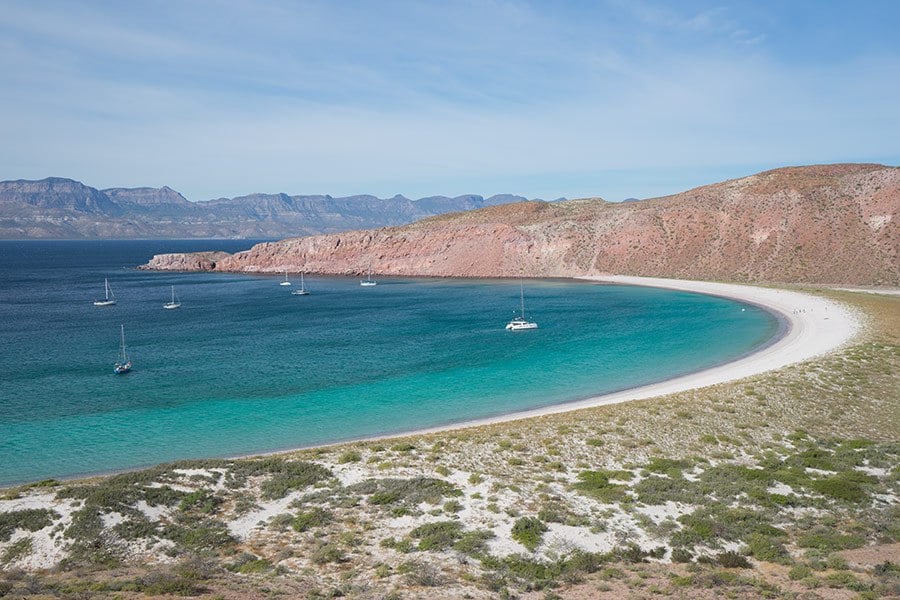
<point>814,326</point>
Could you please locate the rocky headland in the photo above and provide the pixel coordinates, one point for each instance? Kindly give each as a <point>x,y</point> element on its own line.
<point>815,224</point>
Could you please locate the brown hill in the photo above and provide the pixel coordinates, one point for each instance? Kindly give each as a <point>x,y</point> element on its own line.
<point>818,224</point>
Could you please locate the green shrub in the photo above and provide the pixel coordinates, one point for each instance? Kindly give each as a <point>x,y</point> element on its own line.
<point>327,553</point>
<point>768,549</point>
<point>732,560</point>
<point>682,555</point>
<point>349,456</point>
<point>528,531</point>
<point>30,519</point>
<point>799,572</point>
<point>473,543</point>
<point>437,536</point>
<point>201,501</point>
<point>596,484</point>
<point>408,492</point>
<point>315,517</point>
<point>828,540</point>
<point>288,476</point>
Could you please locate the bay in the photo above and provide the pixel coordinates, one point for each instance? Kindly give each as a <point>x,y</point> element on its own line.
<point>245,367</point>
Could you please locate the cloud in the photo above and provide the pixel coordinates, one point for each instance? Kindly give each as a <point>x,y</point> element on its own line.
<point>422,98</point>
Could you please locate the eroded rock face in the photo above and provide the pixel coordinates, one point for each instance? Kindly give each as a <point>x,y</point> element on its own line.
<point>820,224</point>
<point>185,261</point>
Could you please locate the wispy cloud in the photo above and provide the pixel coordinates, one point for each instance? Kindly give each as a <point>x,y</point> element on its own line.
<point>420,98</point>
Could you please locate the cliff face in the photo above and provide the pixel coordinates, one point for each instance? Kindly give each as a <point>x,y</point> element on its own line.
<point>820,224</point>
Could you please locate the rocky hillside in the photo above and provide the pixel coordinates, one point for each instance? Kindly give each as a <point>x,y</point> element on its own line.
<point>817,224</point>
<point>64,208</point>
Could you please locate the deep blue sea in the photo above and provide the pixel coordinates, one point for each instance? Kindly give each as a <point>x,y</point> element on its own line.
<point>246,367</point>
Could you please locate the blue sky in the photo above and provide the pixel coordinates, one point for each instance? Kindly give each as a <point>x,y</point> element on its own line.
<point>544,99</point>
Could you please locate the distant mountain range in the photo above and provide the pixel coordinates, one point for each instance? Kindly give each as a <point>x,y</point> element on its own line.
<point>67,209</point>
<point>817,224</point>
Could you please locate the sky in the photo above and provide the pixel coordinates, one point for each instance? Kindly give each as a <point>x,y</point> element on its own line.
<point>545,99</point>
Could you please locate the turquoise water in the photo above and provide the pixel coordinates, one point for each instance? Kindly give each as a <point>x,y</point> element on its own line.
<point>246,367</point>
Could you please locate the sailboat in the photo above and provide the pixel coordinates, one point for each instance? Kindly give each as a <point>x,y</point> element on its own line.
<point>110,298</point>
<point>302,291</point>
<point>285,282</point>
<point>368,281</point>
<point>174,303</point>
<point>521,323</point>
<point>123,365</point>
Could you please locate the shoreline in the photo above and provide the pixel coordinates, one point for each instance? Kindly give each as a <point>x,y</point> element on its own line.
<point>811,326</point>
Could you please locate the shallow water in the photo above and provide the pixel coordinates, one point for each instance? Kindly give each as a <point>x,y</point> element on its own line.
<point>246,367</point>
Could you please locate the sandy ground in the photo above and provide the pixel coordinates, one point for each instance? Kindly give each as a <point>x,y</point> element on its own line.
<point>813,326</point>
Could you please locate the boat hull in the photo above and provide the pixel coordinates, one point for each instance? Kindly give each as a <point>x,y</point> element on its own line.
<point>104,303</point>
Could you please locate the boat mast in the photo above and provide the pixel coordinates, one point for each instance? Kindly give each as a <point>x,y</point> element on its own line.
<point>522,292</point>
<point>124,358</point>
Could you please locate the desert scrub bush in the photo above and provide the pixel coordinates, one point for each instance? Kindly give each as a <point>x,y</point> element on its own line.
<point>827,539</point>
<point>199,534</point>
<point>475,479</point>
<point>288,476</point>
<point>528,531</point>
<point>847,486</point>
<point>682,555</point>
<point>442,470</point>
<point>201,501</point>
<point>437,536</point>
<point>712,524</point>
<point>30,519</point>
<point>403,447</point>
<point>596,484</point>
<point>768,549</point>
<point>327,553</point>
<point>21,548</point>
<point>473,543</point>
<point>349,456</point>
<point>420,573</point>
<point>659,490</point>
<point>799,571</point>
<point>732,560</point>
<point>408,492</point>
<point>315,517</point>
<point>452,507</point>
<point>404,545</point>
<point>668,466</point>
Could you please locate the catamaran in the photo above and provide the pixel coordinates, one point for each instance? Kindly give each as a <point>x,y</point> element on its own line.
<point>521,323</point>
<point>285,282</point>
<point>123,365</point>
<point>302,291</point>
<point>110,298</point>
<point>368,281</point>
<point>174,303</point>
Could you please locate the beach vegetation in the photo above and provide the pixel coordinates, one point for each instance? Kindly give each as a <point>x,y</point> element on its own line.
<point>201,501</point>
<point>597,485</point>
<point>437,536</point>
<point>310,519</point>
<point>21,548</point>
<point>529,531</point>
<point>327,553</point>
<point>29,519</point>
<point>407,492</point>
<point>349,456</point>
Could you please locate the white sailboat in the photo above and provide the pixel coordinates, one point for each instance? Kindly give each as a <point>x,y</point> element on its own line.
<point>521,323</point>
<point>302,291</point>
<point>174,303</point>
<point>368,281</point>
<point>285,282</point>
<point>110,298</point>
<point>123,365</point>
